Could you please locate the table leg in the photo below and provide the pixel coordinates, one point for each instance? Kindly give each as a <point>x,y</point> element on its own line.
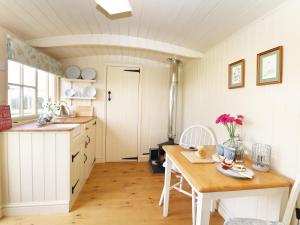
<point>213,206</point>
<point>203,209</point>
<point>167,185</point>
<point>283,204</point>
<point>193,206</point>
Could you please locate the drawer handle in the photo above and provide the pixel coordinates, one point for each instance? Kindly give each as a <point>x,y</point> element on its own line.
<point>95,123</point>
<point>87,142</point>
<point>73,187</point>
<point>74,156</point>
<point>85,158</point>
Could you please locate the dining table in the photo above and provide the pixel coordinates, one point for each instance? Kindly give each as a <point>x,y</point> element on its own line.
<point>210,185</point>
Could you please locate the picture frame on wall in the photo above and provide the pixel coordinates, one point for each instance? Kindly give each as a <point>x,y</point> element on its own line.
<point>236,74</point>
<point>269,66</point>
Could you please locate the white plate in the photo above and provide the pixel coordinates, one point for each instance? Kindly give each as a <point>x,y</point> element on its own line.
<point>73,72</point>
<point>70,92</point>
<point>232,173</point>
<point>88,74</point>
<point>89,92</point>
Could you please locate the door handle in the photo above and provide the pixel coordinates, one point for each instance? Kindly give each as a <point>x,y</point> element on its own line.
<point>109,97</point>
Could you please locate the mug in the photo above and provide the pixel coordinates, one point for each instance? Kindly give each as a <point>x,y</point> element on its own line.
<point>229,153</point>
<point>220,150</point>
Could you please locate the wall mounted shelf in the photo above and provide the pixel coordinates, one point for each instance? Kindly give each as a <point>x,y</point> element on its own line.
<point>79,80</point>
<point>79,98</point>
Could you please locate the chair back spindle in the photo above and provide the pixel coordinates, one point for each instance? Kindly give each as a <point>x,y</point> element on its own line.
<point>196,136</point>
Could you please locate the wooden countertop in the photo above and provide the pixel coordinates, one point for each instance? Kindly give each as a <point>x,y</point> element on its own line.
<point>78,119</point>
<point>32,127</point>
<point>59,125</point>
<point>206,178</point>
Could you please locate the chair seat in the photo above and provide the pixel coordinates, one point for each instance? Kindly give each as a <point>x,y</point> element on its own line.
<point>242,221</point>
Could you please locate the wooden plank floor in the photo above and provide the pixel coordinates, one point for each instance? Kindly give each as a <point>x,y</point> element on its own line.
<point>119,193</point>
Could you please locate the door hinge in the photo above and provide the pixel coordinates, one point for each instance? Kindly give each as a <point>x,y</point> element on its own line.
<point>134,71</point>
<point>131,158</point>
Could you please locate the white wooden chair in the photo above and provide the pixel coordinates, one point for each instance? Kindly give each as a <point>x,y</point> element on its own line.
<point>287,217</point>
<point>192,137</point>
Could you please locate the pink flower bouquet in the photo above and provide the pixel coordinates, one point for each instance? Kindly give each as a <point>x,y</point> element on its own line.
<point>230,123</point>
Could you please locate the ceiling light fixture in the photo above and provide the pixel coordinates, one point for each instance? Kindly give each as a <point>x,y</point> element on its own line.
<point>115,6</point>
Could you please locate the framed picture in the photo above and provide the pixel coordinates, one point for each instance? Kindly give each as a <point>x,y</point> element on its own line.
<point>269,67</point>
<point>236,74</point>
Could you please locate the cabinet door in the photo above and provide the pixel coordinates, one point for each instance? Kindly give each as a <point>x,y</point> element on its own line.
<point>89,150</point>
<point>92,135</point>
<point>76,170</point>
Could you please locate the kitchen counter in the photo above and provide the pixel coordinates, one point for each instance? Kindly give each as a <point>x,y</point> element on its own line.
<point>32,127</point>
<point>48,165</point>
<point>59,124</point>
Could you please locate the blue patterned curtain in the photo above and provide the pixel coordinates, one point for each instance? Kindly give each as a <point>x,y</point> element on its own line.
<point>21,52</point>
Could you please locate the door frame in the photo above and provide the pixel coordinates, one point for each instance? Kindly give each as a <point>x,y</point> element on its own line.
<point>139,107</point>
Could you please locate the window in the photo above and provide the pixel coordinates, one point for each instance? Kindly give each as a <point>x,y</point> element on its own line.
<point>28,89</point>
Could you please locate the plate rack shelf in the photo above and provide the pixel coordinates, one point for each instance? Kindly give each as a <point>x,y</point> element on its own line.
<point>72,83</point>
<point>78,80</point>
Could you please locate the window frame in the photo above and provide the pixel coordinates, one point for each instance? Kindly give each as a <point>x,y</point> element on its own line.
<point>21,85</point>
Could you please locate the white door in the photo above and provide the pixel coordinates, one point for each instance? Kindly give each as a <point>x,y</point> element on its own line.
<point>122,106</point>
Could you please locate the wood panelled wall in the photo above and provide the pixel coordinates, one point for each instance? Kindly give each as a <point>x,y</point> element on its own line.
<point>154,97</point>
<point>272,112</point>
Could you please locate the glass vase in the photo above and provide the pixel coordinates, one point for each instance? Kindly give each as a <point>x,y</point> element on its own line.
<point>236,143</point>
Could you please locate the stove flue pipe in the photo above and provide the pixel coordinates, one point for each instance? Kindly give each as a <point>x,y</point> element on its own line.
<point>174,63</point>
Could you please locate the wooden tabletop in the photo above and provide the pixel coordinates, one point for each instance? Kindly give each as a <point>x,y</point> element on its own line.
<point>206,178</point>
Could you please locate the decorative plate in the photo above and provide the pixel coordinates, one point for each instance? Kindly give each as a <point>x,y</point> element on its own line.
<point>88,74</point>
<point>89,92</point>
<point>248,174</point>
<point>72,72</point>
<point>70,92</point>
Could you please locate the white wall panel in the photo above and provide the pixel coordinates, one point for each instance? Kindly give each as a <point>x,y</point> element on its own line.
<point>13,162</point>
<point>50,167</point>
<point>26,167</point>
<point>62,165</point>
<point>38,167</point>
<point>272,113</point>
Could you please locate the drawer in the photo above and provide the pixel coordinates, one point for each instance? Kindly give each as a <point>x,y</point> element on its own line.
<point>88,125</point>
<point>76,131</point>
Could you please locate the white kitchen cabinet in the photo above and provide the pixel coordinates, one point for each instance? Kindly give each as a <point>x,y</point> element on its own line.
<point>90,147</point>
<point>44,171</point>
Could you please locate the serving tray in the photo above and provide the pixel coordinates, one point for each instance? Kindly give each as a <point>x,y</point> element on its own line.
<point>236,174</point>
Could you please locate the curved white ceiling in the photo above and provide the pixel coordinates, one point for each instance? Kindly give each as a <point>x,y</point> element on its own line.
<point>115,41</point>
<point>182,24</point>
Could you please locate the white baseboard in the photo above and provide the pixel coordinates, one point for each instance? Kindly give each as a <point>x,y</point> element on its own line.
<point>223,211</point>
<point>100,160</point>
<point>35,208</point>
<point>141,159</point>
